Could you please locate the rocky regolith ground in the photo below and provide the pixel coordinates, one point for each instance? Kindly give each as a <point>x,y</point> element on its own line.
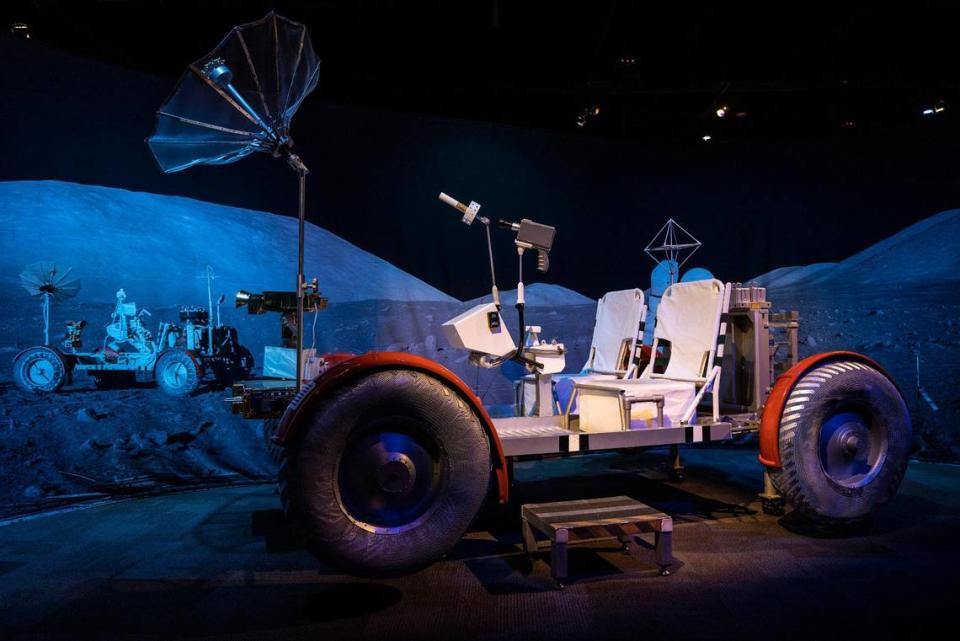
<point>83,441</point>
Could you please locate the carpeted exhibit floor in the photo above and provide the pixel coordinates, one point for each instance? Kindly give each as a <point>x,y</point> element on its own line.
<point>219,564</point>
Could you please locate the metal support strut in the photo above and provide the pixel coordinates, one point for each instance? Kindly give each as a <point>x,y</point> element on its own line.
<point>771,501</point>
<point>676,465</point>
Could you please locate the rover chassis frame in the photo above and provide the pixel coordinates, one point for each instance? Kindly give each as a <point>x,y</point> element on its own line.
<point>546,435</point>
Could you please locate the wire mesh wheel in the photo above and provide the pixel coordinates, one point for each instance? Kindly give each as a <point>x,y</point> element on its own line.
<point>389,475</point>
<point>39,369</point>
<point>177,372</point>
<point>844,442</point>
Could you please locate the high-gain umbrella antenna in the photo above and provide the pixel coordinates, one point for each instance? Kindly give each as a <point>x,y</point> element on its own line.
<point>240,99</point>
<point>49,283</point>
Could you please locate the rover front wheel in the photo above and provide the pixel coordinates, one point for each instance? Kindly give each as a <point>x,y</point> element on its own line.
<point>177,372</point>
<point>389,475</point>
<point>844,442</point>
<point>39,369</point>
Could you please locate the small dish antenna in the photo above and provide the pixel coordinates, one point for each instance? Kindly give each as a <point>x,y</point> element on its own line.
<point>49,283</point>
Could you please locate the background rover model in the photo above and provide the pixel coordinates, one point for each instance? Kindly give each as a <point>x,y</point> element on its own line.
<point>387,457</point>
<point>179,357</point>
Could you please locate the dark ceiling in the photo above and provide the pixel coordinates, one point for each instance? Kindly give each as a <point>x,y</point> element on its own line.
<point>608,68</point>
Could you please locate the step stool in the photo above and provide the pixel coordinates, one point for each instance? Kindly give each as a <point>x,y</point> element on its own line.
<point>616,517</point>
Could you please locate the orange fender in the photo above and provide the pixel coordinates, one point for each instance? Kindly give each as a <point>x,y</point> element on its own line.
<point>344,368</point>
<point>773,409</point>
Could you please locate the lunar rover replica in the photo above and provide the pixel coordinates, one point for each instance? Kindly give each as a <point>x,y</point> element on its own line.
<point>178,358</point>
<point>387,457</point>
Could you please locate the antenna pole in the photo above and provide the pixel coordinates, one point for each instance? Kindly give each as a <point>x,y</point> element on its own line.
<point>302,171</point>
<point>209,275</point>
<point>493,274</point>
<point>521,301</point>
<point>46,318</point>
<point>302,215</point>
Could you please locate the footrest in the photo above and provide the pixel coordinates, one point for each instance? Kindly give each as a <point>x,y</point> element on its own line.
<point>617,517</point>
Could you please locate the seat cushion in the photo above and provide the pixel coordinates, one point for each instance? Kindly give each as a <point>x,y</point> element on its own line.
<point>600,409</point>
<point>562,388</point>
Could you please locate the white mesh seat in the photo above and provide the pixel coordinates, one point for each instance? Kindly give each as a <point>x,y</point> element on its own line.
<point>619,325</point>
<point>690,328</point>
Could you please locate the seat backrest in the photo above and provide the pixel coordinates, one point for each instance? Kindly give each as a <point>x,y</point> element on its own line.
<point>689,316</point>
<point>619,318</point>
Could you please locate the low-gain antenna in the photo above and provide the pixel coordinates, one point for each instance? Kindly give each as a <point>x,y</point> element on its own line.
<point>470,213</point>
<point>669,248</point>
<point>49,283</point>
<point>672,243</point>
<point>210,277</point>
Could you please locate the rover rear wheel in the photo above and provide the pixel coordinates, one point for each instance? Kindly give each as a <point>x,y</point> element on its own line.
<point>40,369</point>
<point>844,442</point>
<point>177,372</point>
<point>389,475</point>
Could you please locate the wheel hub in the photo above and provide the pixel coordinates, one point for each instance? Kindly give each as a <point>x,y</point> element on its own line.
<point>397,474</point>
<point>40,372</point>
<point>851,444</point>
<point>387,480</point>
<point>852,449</point>
<point>175,373</point>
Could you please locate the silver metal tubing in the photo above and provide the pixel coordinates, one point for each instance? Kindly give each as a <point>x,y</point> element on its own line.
<point>302,171</point>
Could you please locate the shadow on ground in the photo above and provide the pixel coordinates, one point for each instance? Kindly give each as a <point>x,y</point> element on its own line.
<point>223,564</point>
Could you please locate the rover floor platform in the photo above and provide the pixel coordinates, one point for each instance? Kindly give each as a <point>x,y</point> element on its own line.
<point>533,435</point>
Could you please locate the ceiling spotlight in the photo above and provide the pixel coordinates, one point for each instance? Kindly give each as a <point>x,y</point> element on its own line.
<point>706,138</point>
<point>588,112</point>
<point>20,30</point>
<point>722,111</point>
<point>937,108</point>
